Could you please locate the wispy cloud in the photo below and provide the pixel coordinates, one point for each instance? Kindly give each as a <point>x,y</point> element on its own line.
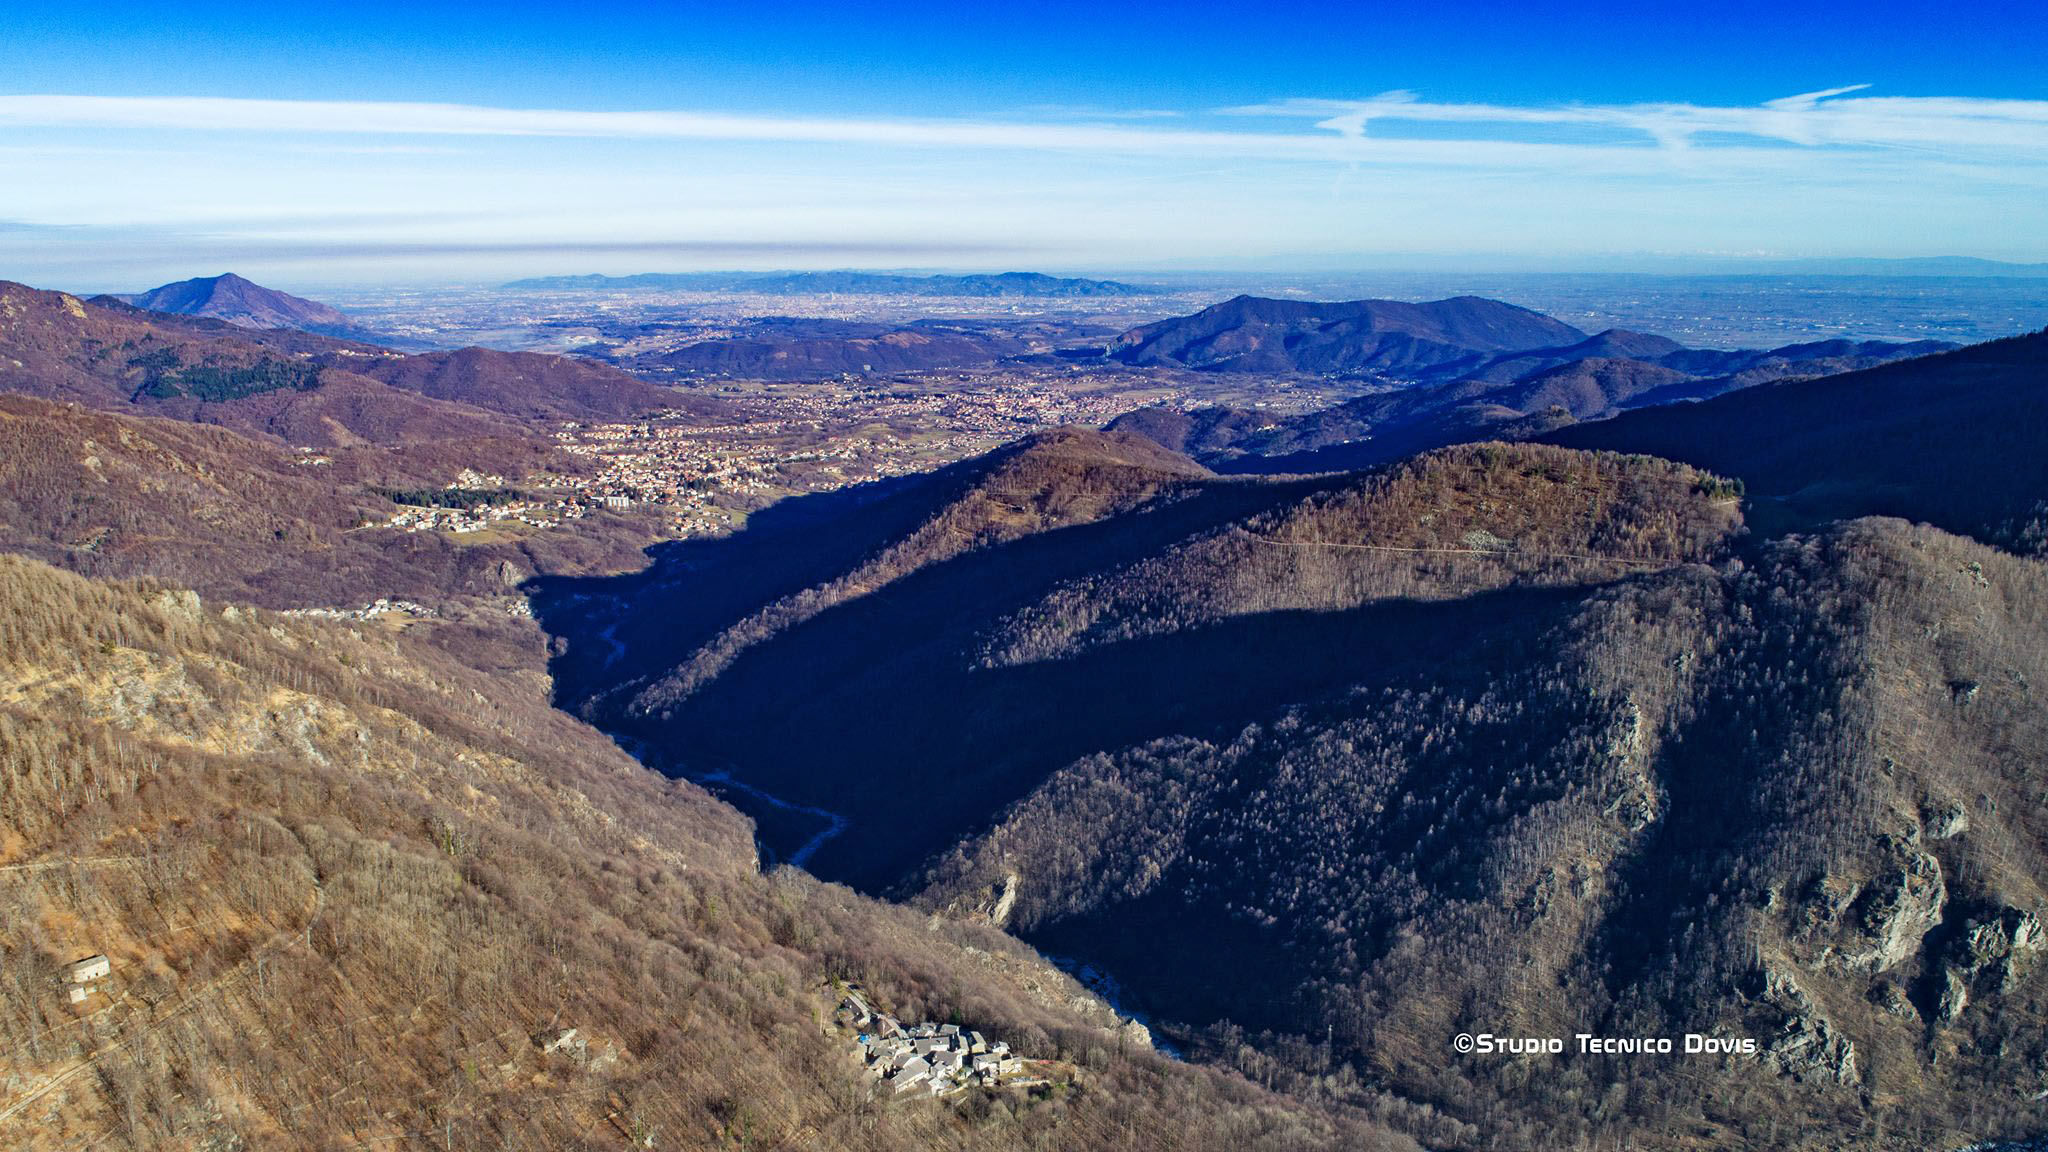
<point>309,117</point>
<point>1831,118</point>
<point>1342,129</point>
<point>449,186</point>
<point>99,257</point>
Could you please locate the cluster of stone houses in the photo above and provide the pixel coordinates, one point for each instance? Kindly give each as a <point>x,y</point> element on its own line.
<point>930,1058</point>
<point>382,606</point>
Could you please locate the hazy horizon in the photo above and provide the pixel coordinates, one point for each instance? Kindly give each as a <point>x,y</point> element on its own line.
<point>397,145</point>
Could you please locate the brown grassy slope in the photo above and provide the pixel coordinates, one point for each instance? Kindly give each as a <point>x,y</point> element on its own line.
<point>344,880</point>
<point>1798,800</point>
<point>1445,525</point>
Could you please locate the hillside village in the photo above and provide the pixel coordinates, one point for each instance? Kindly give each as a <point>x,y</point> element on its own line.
<point>927,1058</point>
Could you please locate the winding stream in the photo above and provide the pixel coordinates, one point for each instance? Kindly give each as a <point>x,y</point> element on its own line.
<point>834,822</point>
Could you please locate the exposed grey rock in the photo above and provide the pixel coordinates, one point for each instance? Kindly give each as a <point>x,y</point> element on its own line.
<point>2004,943</point>
<point>1640,802</point>
<point>2007,942</point>
<point>180,603</point>
<point>1951,820</point>
<point>1897,913</point>
<point>1133,1034</point>
<point>1808,1046</point>
<point>561,1040</point>
<point>1811,1049</point>
<point>1955,996</point>
<point>1889,996</point>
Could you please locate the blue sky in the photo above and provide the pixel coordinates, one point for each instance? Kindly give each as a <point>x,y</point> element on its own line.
<point>402,142</point>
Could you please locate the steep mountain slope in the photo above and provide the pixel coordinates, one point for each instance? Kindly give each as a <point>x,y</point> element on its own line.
<point>107,353</point>
<point>1198,431</point>
<point>1251,334</point>
<point>242,303</point>
<point>1501,739</point>
<point>808,554</point>
<point>1444,526</point>
<point>1795,800</point>
<point>1518,739</point>
<point>1057,479</point>
<point>914,736</point>
<point>122,497</point>
<point>1612,344</point>
<point>352,892</point>
<point>1952,439</point>
<point>1584,388</point>
<point>771,609</point>
<point>1715,369</point>
<point>119,495</point>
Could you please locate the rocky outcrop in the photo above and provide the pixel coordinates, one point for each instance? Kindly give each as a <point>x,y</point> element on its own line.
<point>1955,996</point>
<point>990,902</point>
<point>1897,913</point>
<point>1992,953</point>
<point>1945,822</point>
<point>1871,926</point>
<point>1807,1046</point>
<point>1640,801</point>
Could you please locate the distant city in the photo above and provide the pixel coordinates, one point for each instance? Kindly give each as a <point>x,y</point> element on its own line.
<point>1720,311</point>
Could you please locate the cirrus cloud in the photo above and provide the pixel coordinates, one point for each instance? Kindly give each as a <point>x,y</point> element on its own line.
<point>459,187</point>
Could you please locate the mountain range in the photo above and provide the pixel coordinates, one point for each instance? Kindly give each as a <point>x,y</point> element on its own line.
<point>1449,378</point>
<point>1479,359</point>
<point>1704,707</point>
<point>1948,439</point>
<point>998,285</point>
<point>245,462</point>
<point>332,858</point>
<point>301,386</point>
<point>1522,739</point>
<point>239,302</point>
<point>330,864</point>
